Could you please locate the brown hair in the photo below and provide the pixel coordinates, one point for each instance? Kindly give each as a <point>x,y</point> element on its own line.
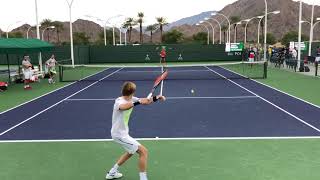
<point>128,88</point>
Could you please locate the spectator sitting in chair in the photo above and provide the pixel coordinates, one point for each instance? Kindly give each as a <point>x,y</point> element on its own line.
<point>27,72</point>
<point>51,65</point>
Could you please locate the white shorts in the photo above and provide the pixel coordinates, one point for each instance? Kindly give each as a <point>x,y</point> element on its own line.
<point>27,74</point>
<point>128,143</point>
<point>251,59</point>
<point>318,59</point>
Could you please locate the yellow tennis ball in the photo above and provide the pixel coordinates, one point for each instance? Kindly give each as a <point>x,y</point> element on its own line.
<point>192,91</point>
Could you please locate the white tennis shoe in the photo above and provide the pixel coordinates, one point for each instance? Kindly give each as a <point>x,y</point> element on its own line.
<point>115,175</point>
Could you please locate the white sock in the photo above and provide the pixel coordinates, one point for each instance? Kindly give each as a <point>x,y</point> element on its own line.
<point>143,176</point>
<point>114,169</point>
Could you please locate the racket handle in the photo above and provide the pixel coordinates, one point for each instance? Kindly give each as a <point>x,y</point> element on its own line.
<point>149,96</point>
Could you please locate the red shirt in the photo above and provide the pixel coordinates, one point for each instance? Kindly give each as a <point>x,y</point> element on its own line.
<point>163,53</point>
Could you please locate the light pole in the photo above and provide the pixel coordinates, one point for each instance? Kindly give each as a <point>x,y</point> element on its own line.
<point>71,32</point>
<point>28,31</point>
<point>235,31</point>
<point>218,24</point>
<point>211,27</point>
<point>311,29</point>
<point>245,29</point>
<point>299,36</point>
<point>265,30</point>
<point>105,26</point>
<point>120,36</point>
<point>311,36</point>
<point>208,39</point>
<point>37,21</point>
<point>264,17</point>
<point>10,26</point>
<point>50,27</point>
<point>38,34</point>
<point>216,13</point>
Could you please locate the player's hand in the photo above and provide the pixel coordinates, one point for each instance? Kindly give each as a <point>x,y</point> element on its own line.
<point>162,98</point>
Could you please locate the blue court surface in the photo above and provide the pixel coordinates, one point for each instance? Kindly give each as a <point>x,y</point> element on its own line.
<point>218,108</point>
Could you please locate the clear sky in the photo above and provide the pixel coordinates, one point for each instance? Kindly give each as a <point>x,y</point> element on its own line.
<point>12,11</point>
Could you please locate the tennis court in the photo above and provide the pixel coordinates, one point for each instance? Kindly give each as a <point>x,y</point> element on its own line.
<point>224,106</point>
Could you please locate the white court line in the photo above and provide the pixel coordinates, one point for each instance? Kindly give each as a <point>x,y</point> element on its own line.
<point>164,139</point>
<point>276,106</point>
<point>156,71</point>
<point>13,127</point>
<point>48,93</point>
<point>275,89</point>
<point>162,83</point>
<point>175,98</point>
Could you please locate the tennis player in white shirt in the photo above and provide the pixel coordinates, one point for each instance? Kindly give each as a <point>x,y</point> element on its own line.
<point>122,110</point>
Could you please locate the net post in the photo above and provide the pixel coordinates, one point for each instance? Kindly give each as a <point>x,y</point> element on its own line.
<point>316,66</point>
<point>265,70</point>
<point>60,73</point>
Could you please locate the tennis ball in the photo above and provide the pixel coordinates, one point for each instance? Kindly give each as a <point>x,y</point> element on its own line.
<point>192,91</point>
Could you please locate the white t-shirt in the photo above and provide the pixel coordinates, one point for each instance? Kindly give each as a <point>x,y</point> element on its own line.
<point>26,64</point>
<point>51,63</point>
<point>120,118</point>
<point>294,53</point>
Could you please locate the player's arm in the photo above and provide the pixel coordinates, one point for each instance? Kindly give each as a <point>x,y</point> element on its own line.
<point>147,101</point>
<point>142,101</point>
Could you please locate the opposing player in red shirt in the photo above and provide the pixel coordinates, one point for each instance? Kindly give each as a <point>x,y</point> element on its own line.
<point>163,55</point>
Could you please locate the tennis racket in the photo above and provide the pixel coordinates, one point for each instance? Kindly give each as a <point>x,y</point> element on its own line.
<point>157,82</point>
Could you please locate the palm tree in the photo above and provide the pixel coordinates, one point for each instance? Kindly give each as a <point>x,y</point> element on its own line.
<point>46,23</point>
<point>129,23</point>
<point>161,22</point>
<point>152,28</point>
<point>224,29</point>
<point>140,21</point>
<point>58,27</point>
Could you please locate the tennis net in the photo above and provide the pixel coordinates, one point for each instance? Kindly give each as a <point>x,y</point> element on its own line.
<point>146,72</point>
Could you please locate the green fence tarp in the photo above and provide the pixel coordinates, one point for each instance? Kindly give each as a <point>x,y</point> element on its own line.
<point>21,45</point>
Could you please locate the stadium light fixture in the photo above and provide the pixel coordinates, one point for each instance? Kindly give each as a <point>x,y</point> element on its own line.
<point>10,26</point>
<point>212,30</point>
<point>229,34</point>
<point>245,29</point>
<point>275,12</point>
<point>311,37</point>
<point>50,27</point>
<point>71,31</point>
<point>29,30</point>
<point>261,18</point>
<point>305,22</point>
<point>208,38</point>
<point>218,24</point>
<point>235,31</point>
